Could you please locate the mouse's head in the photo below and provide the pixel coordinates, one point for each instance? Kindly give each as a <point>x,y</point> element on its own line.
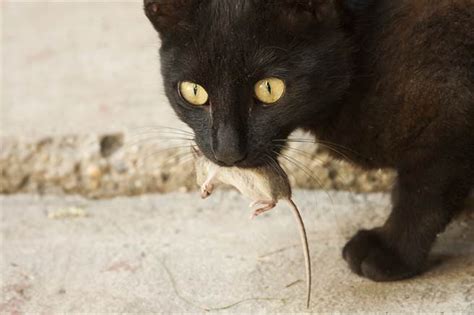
<point>244,74</point>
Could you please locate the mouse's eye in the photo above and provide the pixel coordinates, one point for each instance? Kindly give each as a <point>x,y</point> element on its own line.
<point>193,93</point>
<point>269,91</point>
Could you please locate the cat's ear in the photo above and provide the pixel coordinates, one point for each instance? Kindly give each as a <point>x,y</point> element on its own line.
<point>169,15</point>
<point>300,14</point>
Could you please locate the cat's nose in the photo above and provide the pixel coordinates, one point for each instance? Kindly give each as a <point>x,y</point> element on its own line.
<point>228,158</point>
<point>228,148</point>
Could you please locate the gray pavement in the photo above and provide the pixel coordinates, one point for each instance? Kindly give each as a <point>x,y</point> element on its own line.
<point>176,253</point>
<point>79,67</point>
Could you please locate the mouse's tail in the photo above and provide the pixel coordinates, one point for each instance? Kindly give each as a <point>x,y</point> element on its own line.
<point>305,244</point>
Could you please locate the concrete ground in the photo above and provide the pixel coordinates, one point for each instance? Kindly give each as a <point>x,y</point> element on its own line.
<point>79,67</point>
<point>176,253</point>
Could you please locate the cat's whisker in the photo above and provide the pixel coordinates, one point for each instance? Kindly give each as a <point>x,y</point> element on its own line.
<point>327,145</point>
<point>285,169</point>
<point>157,141</point>
<point>160,132</point>
<point>273,163</point>
<point>156,151</point>
<point>161,150</point>
<point>310,157</point>
<point>301,153</point>
<point>177,156</point>
<point>153,141</point>
<point>311,175</point>
<point>302,167</point>
<point>315,141</point>
<point>165,167</point>
<point>157,137</point>
<point>322,142</point>
<point>268,161</point>
<point>184,160</point>
<point>161,128</point>
<point>307,171</point>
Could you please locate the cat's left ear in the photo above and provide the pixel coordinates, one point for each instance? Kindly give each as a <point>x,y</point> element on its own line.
<point>169,15</point>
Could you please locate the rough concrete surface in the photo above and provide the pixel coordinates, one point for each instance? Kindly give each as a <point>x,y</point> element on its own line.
<point>175,253</point>
<point>119,164</point>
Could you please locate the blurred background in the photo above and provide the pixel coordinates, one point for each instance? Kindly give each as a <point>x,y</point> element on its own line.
<point>84,119</point>
<point>79,67</point>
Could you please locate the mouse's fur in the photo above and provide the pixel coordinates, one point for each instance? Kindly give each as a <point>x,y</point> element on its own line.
<point>269,183</point>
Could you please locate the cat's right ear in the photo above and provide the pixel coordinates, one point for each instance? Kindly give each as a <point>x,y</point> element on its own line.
<point>169,15</point>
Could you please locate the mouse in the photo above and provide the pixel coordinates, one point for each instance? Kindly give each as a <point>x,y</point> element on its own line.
<point>264,185</point>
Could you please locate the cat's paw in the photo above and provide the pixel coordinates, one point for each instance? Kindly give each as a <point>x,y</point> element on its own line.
<point>368,256</point>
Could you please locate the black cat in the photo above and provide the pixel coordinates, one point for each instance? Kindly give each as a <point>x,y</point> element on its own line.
<point>391,81</point>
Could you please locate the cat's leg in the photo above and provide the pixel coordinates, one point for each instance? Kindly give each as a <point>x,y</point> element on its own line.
<point>425,200</point>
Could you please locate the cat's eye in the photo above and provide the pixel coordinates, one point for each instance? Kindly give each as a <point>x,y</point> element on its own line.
<point>193,93</point>
<point>269,91</point>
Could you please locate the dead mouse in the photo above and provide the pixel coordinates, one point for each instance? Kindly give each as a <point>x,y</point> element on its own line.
<point>265,186</point>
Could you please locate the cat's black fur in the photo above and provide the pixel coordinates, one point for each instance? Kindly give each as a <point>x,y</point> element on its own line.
<point>391,81</point>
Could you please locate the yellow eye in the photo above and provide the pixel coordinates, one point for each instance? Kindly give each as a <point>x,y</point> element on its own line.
<point>270,91</point>
<point>193,93</point>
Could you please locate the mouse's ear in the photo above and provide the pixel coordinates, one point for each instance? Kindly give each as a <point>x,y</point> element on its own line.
<point>169,15</point>
<point>301,14</point>
<point>196,152</point>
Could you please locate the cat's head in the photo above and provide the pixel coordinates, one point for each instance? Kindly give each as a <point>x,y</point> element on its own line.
<point>244,74</point>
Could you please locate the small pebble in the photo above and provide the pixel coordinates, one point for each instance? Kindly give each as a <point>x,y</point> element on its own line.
<point>67,213</point>
<point>94,172</point>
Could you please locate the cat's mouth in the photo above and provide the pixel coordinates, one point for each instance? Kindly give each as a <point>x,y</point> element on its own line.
<point>251,160</point>
<point>264,155</point>
<point>248,162</point>
<point>243,163</point>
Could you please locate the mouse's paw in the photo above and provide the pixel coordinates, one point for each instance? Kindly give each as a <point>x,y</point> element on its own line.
<point>265,207</point>
<point>206,190</point>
